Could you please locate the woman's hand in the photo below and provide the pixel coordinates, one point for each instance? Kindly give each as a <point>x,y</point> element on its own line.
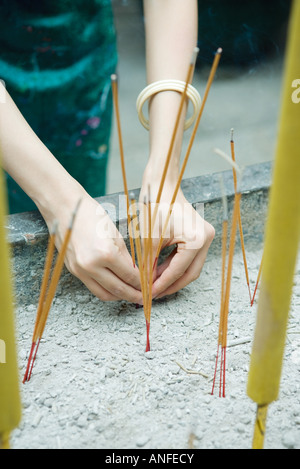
<point>97,253</point>
<point>186,230</point>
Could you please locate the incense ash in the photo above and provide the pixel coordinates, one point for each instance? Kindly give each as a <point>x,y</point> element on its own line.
<point>93,385</point>
<point>140,397</point>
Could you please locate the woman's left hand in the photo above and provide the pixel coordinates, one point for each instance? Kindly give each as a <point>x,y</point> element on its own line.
<point>191,236</point>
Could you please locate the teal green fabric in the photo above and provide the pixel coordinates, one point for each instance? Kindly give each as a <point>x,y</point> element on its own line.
<point>249,31</point>
<point>56,61</point>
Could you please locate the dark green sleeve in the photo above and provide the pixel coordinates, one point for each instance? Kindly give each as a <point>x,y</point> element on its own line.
<point>56,60</point>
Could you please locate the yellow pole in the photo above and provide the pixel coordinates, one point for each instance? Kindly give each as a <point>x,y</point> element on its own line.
<point>10,404</point>
<point>281,244</point>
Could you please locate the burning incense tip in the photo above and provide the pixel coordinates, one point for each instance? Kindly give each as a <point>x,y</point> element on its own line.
<point>231,134</point>
<point>114,77</point>
<point>219,50</point>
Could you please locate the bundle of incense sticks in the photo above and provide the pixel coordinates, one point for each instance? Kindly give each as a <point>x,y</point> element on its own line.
<point>144,253</point>
<point>225,288</point>
<point>225,285</point>
<point>234,170</point>
<point>190,144</point>
<point>114,85</point>
<point>144,250</point>
<point>48,289</point>
<point>240,218</point>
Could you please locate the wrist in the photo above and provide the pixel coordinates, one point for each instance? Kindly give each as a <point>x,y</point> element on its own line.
<point>156,166</point>
<point>152,177</point>
<point>58,199</point>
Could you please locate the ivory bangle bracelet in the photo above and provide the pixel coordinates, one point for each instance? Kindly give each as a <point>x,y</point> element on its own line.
<point>168,85</point>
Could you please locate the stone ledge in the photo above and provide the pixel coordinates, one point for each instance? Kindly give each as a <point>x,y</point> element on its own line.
<point>28,234</point>
<point>29,227</point>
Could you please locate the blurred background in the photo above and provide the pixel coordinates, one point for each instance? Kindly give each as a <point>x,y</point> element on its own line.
<point>245,94</point>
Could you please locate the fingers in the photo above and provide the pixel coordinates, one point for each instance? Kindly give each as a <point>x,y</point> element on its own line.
<point>117,287</point>
<point>121,264</point>
<point>190,275</point>
<point>110,276</point>
<point>108,287</point>
<point>173,269</point>
<point>98,290</point>
<point>182,267</point>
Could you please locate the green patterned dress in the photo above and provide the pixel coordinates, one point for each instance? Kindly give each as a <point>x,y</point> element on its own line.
<point>56,60</point>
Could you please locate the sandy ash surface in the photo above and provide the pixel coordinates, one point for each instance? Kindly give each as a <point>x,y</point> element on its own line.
<point>93,385</point>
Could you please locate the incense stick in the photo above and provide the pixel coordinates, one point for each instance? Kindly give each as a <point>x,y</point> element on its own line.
<point>150,249</point>
<point>240,218</point>
<point>114,84</point>
<point>169,154</point>
<point>44,312</point>
<point>47,268</point>
<point>136,233</point>
<point>142,263</point>
<point>260,426</point>
<point>145,260</point>
<point>224,236</point>
<point>225,295</point>
<point>149,268</point>
<point>45,282</point>
<point>146,267</point>
<point>57,272</point>
<point>224,245</point>
<point>192,138</point>
<point>257,281</point>
<point>228,283</point>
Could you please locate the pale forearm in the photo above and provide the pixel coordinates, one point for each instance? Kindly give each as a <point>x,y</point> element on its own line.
<point>31,164</point>
<point>171,35</point>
